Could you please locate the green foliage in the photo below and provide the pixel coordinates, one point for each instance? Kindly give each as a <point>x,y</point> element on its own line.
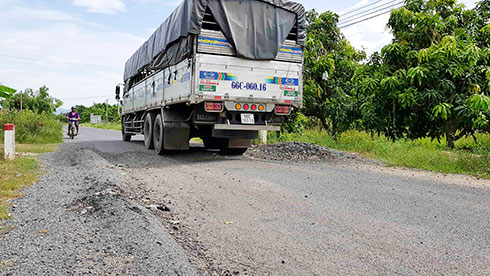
<point>426,90</point>
<point>433,79</point>
<point>38,101</point>
<point>6,92</point>
<point>31,127</point>
<point>296,122</point>
<point>110,125</point>
<point>327,51</point>
<point>468,157</point>
<point>98,109</point>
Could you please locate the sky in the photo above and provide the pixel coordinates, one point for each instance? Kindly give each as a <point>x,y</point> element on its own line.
<point>78,48</point>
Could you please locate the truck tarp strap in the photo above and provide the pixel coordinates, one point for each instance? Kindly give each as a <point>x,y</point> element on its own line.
<point>256,29</point>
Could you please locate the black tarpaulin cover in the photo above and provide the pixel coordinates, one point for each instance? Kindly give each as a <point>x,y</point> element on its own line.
<point>256,28</point>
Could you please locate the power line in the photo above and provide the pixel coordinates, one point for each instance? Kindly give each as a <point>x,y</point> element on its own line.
<point>84,98</point>
<point>386,9</point>
<point>364,11</point>
<point>365,19</point>
<point>360,8</point>
<point>58,61</point>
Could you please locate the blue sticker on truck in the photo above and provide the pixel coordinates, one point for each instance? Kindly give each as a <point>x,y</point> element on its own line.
<point>208,75</point>
<point>282,81</point>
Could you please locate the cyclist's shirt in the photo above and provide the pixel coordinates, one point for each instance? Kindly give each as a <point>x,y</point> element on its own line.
<point>72,115</point>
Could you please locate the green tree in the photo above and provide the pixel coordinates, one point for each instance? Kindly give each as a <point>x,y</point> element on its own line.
<point>38,101</point>
<point>433,79</point>
<point>330,63</point>
<point>98,109</point>
<point>6,92</point>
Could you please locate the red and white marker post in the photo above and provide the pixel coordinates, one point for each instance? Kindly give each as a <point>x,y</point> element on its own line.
<point>9,141</point>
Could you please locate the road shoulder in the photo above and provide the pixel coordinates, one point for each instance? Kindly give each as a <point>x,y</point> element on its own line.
<point>75,221</point>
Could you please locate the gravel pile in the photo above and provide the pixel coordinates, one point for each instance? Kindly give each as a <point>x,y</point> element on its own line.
<point>298,152</point>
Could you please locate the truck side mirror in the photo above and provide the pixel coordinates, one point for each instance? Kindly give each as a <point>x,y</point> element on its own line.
<point>118,92</point>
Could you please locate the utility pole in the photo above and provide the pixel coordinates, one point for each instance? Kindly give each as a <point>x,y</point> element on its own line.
<point>106,113</point>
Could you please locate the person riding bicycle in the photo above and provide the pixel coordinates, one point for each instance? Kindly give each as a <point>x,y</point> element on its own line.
<point>73,116</point>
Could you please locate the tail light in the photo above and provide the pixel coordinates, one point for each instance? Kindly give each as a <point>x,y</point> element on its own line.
<point>253,107</point>
<point>214,106</point>
<point>283,109</point>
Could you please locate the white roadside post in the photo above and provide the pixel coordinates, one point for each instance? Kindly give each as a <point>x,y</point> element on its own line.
<point>9,141</point>
<point>263,136</point>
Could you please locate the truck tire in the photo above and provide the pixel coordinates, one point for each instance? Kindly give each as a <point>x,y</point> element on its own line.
<point>148,130</point>
<point>125,137</point>
<point>158,132</point>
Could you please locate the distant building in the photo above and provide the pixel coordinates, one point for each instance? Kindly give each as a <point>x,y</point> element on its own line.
<point>95,119</point>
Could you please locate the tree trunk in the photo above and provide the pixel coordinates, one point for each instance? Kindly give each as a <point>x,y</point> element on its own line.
<point>372,134</point>
<point>450,140</point>
<point>324,123</point>
<point>394,115</point>
<point>475,139</point>
<point>334,131</point>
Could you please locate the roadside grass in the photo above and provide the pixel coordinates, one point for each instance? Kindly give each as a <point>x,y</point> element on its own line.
<point>196,140</point>
<point>33,148</point>
<point>32,128</point>
<point>467,157</point>
<point>15,175</point>
<point>110,125</point>
<point>19,173</point>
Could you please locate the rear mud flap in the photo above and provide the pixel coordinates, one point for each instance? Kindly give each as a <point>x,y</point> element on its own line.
<point>176,136</point>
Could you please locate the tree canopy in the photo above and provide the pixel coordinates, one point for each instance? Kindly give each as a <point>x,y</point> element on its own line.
<point>330,63</point>
<point>432,81</point>
<point>38,101</point>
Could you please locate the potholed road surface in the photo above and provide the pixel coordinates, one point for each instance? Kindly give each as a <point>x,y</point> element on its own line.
<point>130,211</point>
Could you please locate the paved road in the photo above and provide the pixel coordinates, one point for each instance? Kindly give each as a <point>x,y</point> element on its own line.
<point>236,215</point>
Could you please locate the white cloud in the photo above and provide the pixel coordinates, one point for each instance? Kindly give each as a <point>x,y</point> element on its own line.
<point>101,6</point>
<point>166,3</point>
<point>23,12</point>
<point>74,59</point>
<point>469,4</point>
<point>357,5</point>
<point>371,35</point>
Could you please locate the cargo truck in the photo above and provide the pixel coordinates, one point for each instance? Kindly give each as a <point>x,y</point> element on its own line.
<point>220,70</point>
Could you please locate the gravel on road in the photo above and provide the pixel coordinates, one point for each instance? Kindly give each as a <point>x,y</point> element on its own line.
<point>298,152</point>
<point>75,221</point>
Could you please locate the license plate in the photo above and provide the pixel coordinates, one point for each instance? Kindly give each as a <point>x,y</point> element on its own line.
<point>248,119</point>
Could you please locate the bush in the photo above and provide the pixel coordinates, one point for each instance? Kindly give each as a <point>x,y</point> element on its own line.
<point>295,123</point>
<point>31,127</point>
